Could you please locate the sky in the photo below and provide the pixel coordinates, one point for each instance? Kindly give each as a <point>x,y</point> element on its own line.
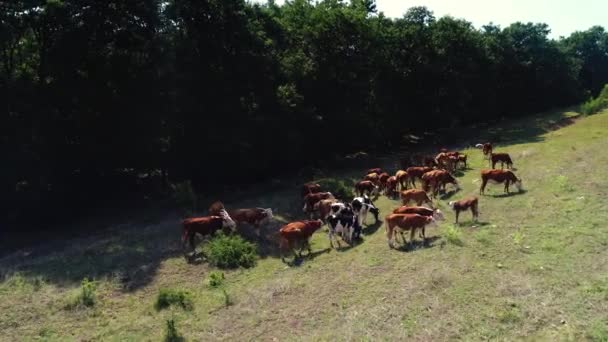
<point>562,16</point>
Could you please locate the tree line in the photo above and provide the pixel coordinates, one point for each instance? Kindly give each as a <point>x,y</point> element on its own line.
<point>98,96</point>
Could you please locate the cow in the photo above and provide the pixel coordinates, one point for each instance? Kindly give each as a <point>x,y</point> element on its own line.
<point>373,177</point>
<point>462,159</point>
<point>503,158</point>
<point>310,188</point>
<point>215,208</point>
<point>402,222</point>
<point>486,148</point>
<point>324,207</point>
<point>345,223</point>
<point>205,226</point>
<point>414,172</point>
<point>311,199</point>
<point>403,179</point>
<point>253,216</point>
<point>447,161</point>
<point>366,186</point>
<point>362,206</point>
<point>436,179</point>
<point>391,186</point>
<point>424,211</point>
<point>375,170</point>
<point>298,232</point>
<point>382,178</point>
<point>418,196</point>
<point>463,205</point>
<point>497,177</point>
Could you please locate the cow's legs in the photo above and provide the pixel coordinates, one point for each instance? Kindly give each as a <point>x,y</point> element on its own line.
<point>457,213</point>
<point>483,186</point>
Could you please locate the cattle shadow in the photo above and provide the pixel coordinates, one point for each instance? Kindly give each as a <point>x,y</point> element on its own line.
<point>471,224</point>
<point>448,194</point>
<point>429,242</point>
<point>298,261</point>
<point>515,193</point>
<point>372,228</point>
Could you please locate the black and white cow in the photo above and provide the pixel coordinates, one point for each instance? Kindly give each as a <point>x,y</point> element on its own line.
<point>344,222</point>
<point>362,206</point>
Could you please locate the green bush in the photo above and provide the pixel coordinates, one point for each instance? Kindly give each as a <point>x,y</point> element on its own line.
<point>597,104</point>
<point>168,297</point>
<point>171,335</point>
<point>216,279</point>
<point>86,297</point>
<point>340,188</point>
<point>453,235</point>
<point>227,298</point>
<point>230,251</point>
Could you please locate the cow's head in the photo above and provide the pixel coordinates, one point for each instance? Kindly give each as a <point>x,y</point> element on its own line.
<point>430,222</point>
<point>375,211</point>
<point>519,185</point>
<point>316,224</point>
<point>228,224</point>
<point>438,215</point>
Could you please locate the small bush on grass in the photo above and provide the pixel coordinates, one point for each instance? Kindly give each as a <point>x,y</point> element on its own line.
<point>168,297</point>
<point>216,279</point>
<point>338,187</point>
<point>230,251</point>
<point>227,298</point>
<point>86,297</point>
<point>453,235</point>
<point>171,335</point>
<point>562,184</point>
<point>595,105</point>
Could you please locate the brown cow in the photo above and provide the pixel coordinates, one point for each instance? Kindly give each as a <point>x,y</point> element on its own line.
<point>424,211</point>
<point>311,199</point>
<point>382,178</point>
<point>436,179</point>
<point>463,205</point>
<point>366,186</point>
<point>486,149</point>
<point>462,159</point>
<point>252,216</point>
<point>403,222</point>
<point>373,177</point>
<point>503,158</point>
<point>310,188</point>
<point>215,208</point>
<point>376,170</point>
<point>414,172</point>
<point>418,196</point>
<point>206,225</point>
<point>391,186</point>
<point>298,232</point>
<point>324,207</point>
<point>447,161</point>
<point>499,176</point>
<point>402,178</point>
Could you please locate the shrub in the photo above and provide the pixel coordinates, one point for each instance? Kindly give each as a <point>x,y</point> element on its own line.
<point>86,297</point>
<point>230,251</point>
<point>518,238</point>
<point>184,196</point>
<point>453,235</point>
<point>216,279</point>
<point>340,188</point>
<point>597,104</point>
<point>168,297</point>
<point>171,335</point>
<point>562,183</point>
<point>227,299</point>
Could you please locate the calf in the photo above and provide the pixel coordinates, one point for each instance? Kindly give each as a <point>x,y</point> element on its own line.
<point>366,186</point>
<point>418,196</point>
<point>462,159</point>
<point>403,222</point>
<point>373,177</point>
<point>391,186</point>
<point>503,158</point>
<point>253,216</point>
<point>447,161</point>
<point>311,199</point>
<point>486,148</point>
<point>205,226</point>
<point>465,204</point>
<point>497,177</point>
<point>403,178</point>
<point>414,172</point>
<point>324,207</point>
<point>298,232</point>
<point>424,211</point>
<point>436,179</point>
<point>310,188</point>
<point>382,178</point>
<point>375,170</point>
<point>362,206</point>
<point>345,223</point>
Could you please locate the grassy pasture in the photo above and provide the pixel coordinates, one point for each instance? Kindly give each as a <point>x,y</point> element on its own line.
<point>535,266</point>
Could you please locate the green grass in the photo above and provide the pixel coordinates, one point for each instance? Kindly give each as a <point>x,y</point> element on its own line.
<point>534,266</point>
<point>172,297</point>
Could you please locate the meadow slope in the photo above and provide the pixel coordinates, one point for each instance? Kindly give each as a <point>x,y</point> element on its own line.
<point>534,267</point>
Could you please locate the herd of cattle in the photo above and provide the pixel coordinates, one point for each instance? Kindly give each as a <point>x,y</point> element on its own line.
<point>346,218</point>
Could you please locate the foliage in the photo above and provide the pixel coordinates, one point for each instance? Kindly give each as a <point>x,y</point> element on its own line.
<point>227,298</point>
<point>86,297</point>
<point>184,196</point>
<point>595,105</point>
<point>167,297</point>
<point>216,279</point>
<point>171,334</point>
<point>453,235</point>
<point>340,188</point>
<point>231,251</point>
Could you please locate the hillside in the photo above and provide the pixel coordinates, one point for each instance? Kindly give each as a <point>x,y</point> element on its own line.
<point>536,265</point>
